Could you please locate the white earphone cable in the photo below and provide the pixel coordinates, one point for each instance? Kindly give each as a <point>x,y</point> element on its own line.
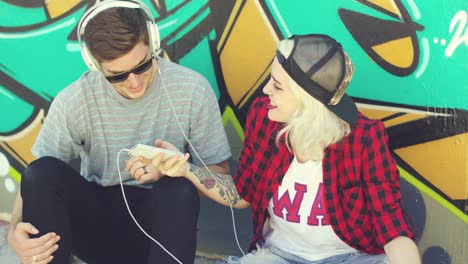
<point>131,214</point>
<point>196,153</point>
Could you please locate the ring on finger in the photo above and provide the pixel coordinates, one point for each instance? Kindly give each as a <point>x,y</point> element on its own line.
<point>34,259</point>
<point>144,170</point>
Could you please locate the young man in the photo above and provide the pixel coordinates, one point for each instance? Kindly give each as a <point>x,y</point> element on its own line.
<point>133,97</point>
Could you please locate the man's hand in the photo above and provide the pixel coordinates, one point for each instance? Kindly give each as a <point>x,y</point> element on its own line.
<point>145,170</point>
<point>32,250</point>
<point>139,169</point>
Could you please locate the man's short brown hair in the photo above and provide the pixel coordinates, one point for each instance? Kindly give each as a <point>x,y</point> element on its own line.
<point>115,32</point>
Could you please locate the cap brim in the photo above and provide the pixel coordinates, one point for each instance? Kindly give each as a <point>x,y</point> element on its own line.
<point>346,109</point>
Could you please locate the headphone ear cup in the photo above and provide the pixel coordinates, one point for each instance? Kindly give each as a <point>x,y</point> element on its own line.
<point>153,34</point>
<point>88,59</point>
<point>152,29</point>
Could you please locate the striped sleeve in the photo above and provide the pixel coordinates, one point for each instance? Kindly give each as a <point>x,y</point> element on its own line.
<point>207,132</point>
<point>58,137</point>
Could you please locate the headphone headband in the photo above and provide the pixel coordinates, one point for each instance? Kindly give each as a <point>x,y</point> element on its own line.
<point>152,29</point>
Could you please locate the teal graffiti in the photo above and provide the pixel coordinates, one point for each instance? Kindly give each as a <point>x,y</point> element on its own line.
<point>435,81</point>
<point>43,56</point>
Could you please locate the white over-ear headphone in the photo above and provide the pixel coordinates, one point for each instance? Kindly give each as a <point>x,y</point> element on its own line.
<point>153,32</point>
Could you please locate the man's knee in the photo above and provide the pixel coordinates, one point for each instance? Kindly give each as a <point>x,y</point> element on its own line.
<point>178,189</point>
<point>42,170</point>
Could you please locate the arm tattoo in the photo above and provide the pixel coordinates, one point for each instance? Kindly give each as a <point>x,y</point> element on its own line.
<point>206,178</point>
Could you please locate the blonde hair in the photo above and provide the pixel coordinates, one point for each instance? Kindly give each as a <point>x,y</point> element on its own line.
<point>312,127</point>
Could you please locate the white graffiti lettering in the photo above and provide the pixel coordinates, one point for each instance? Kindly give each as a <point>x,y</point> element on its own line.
<point>458,37</point>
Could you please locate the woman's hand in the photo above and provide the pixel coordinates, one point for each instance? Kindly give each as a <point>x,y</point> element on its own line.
<point>175,166</point>
<point>145,170</point>
<point>402,250</point>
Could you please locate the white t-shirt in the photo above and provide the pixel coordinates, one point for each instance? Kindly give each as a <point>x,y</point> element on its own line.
<point>298,223</point>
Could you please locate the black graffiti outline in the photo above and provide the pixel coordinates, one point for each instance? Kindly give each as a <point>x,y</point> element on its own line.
<point>383,30</point>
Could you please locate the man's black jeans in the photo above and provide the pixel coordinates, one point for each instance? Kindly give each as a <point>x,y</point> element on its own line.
<point>93,221</point>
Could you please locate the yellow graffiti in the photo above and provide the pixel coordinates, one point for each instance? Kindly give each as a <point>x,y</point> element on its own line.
<point>245,63</point>
<point>446,174</point>
<point>56,8</point>
<point>403,58</point>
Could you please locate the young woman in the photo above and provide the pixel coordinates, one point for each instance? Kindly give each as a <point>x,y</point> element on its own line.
<point>318,174</point>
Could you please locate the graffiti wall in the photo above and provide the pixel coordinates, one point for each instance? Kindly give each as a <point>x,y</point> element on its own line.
<point>410,58</point>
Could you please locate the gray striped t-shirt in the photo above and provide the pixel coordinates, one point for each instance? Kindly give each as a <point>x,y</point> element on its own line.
<point>91,120</point>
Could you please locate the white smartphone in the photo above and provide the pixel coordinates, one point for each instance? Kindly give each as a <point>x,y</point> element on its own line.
<point>150,152</point>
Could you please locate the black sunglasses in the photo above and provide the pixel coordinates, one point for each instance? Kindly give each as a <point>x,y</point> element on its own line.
<point>142,68</point>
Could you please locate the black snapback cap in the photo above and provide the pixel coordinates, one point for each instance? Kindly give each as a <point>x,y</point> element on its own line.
<point>313,74</point>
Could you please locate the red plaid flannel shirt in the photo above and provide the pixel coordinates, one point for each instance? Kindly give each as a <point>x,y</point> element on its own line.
<point>362,183</point>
